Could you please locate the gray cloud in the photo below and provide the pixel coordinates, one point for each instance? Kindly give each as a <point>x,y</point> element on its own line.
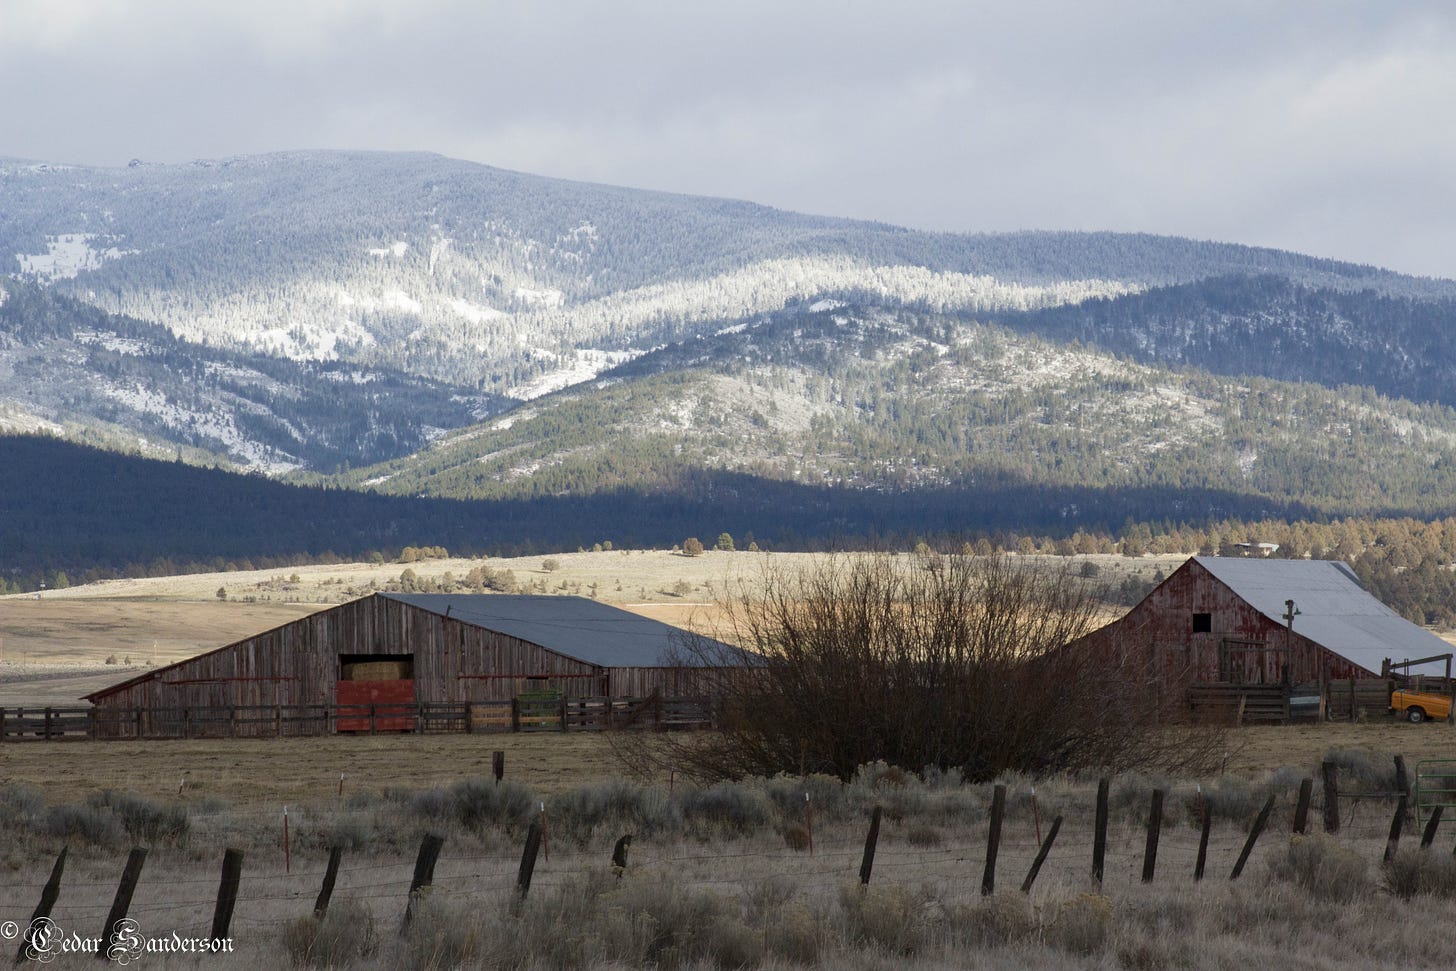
<point>1318,126</point>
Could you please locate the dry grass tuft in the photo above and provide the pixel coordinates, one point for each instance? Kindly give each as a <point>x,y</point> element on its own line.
<point>887,916</point>
<point>1080,925</point>
<point>1421,871</point>
<point>1323,867</point>
<point>343,936</point>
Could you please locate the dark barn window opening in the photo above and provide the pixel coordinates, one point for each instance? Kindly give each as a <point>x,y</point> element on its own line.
<point>1202,623</point>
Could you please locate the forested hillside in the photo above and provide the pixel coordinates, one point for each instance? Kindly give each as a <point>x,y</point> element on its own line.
<point>1271,326</point>
<point>900,403</point>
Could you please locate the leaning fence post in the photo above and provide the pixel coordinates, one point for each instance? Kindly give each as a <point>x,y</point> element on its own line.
<point>1301,808</point>
<point>1205,823</point>
<point>1260,822</point>
<point>993,841</point>
<point>121,903</point>
<point>1429,836</point>
<point>424,874</point>
<point>1041,855</point>
<point>227,893</point>
<point>1397,823</point>
<point>498,765</point>
<point>1155,828</point>
<point>528,862</point>
<point>1099,836</point>
<point>48,898</point>
<point>321,905</point>
<point>871,840</point>
<point>1331,774</point>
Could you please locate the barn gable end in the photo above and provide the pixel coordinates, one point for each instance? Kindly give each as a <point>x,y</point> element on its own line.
<point>1218,619</point>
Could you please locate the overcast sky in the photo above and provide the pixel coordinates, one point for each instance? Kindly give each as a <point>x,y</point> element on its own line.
<point>1322,126</point>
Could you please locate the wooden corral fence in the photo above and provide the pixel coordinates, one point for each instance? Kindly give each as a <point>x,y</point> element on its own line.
<point>1341,699</point>
<point>515,715</point>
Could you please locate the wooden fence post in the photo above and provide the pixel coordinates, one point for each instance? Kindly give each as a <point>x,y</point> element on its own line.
<point>1099,836</point>
<point>528,862</point>
<point>515,714</point>
<point>1301,808</point>
<point>326,892</point>
<point>121,903</point>
<point>1397,823</point>
<point>1402,781</point>
<point>227,893</point>
<point>1260,822</point>
<point>1041,855</point>
<point>1429,836</point>
<point>48,897</point>
<point>1331,774</point>
<point>47,735</point>
<point>1205,823</point>
<point>619,855</point>
<point>424,874</point>
<point>871,840</point>
<point>1155,828</point>
<point>993,840</point>
<point>470,718</point>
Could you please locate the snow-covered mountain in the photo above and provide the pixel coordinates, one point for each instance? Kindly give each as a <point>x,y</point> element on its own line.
<point>457,290</point>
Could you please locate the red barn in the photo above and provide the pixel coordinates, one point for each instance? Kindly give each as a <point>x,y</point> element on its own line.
<point>463,658</point>
<point>1226,620</point>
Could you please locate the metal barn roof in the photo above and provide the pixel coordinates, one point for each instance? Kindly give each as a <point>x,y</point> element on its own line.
<point>1335,611</point>
<point>575,626</point>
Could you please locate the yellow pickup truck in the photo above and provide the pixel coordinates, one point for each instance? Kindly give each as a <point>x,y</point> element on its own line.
<point>1417,706</point>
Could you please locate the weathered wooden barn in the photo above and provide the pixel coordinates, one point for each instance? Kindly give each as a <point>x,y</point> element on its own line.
<point>409,654</point>
<point>1227,620</point>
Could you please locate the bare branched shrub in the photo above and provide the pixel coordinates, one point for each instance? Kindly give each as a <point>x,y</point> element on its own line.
<point>949,661</point>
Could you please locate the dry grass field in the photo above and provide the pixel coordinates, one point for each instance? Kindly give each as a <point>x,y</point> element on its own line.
<point>302,771</point>
<point>724,878</point>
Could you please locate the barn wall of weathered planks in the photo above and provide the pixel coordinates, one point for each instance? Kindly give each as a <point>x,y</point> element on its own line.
<point>299,664</point>
<point>1240,644</point>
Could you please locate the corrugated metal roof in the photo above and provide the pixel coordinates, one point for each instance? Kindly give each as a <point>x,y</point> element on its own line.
<point>1335,611</point>
<point>587,630</point>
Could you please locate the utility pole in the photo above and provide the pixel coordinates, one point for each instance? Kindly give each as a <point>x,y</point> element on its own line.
<point>1290,612</point>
